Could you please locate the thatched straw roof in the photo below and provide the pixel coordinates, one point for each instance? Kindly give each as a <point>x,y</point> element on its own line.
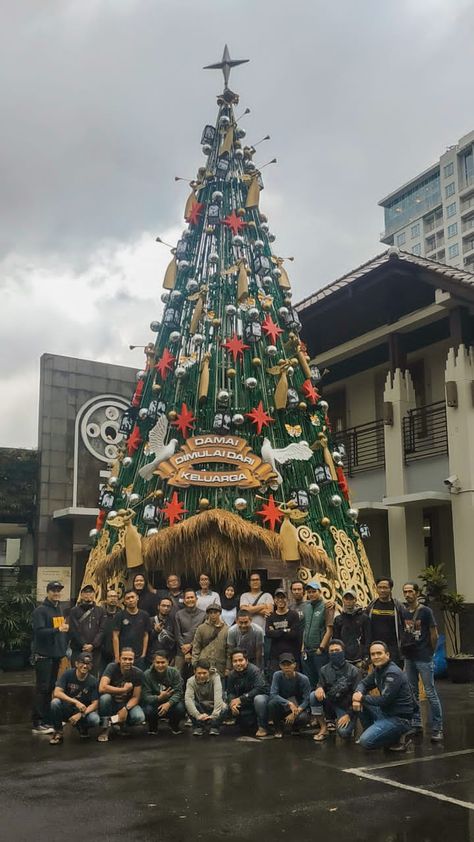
<point>218,541</point>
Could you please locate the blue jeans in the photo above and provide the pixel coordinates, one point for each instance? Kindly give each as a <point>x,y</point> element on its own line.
<point>214,722</point>
<point>413,670</point>
<point>380,730</point>
<point>312,664</point>
<point>62,712</point>
<point>109,707</point>
<point>278,709</point>
<point>331,711</point>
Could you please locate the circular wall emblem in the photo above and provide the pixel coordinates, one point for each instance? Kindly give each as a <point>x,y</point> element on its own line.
<point>100,425</point>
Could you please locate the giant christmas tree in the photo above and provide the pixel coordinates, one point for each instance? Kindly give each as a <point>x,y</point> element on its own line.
<point>227,456</point>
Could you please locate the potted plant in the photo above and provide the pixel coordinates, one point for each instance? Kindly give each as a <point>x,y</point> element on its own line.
<point>17,603</point>
<point>435,589</point>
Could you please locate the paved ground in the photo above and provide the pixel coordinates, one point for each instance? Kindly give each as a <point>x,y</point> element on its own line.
<point>175,788</point>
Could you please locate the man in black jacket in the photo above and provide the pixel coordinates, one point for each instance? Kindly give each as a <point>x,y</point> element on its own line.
<point>282,628</point>
<point>247,694</point>
<point>352,626</point>
<point>86,628</point>
<point>387,717</point>
<point>50,634</point>
<point>111,609</point>
<point>332,698</point>
<point>386,618</point>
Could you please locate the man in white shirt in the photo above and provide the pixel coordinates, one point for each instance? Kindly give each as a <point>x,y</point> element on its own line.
<point>256,602</point>
<point>206,597</point>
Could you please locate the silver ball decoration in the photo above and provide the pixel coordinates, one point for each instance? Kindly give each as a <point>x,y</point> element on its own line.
<point>237,240</point>
<point>274,486</point>
<point>253,314</point>
<point>192,286</point>
<point>165,297</point>
<point>272,350</point>
<point>140,374</point>
<point>238,419</point>
<point>230,310</point>
<point>180,372</point>
<point>223,396</point>
<point>259,244</point>
<point>249,165</point>
<point>154,326</point>
<point>183,264</point>
<point>290,370</point>
<point>224,121</point>
<point>127,461</point>
<point>336,500</point>
<point>323,406</point>
<point>239,153</point>
<point>111,514</point>
<point>240,133</point>
<point>337,458</point>
<point>217,196</point>
<point>176,295</point>
<point>207,149</point>
<point>288,294</point>
<point>272,238</point>
<point>134,498</point>
<point>113,481</point>
<point>313,488</point>
<point>353,514</point>
<point>251,382</point>
<point>240,503</point>
<point>264,227</point>
<point>93,533</point>
<point>175,336</point>
<point>213,257</point>
<point>152,531</point>
<point>143,413</point>
<point>283,311</point>
<point>198,339</point>
<point>186,233</point>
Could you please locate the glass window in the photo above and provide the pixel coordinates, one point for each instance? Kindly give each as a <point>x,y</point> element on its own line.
<point>452,230</point>
<point>467,166</point>
<point>416,249</point>
<point>401,239</point>
<point>448,170</point>
<point>451,209</point>
<point>415,230</point>
<point>449,189</point>
<point>453,250</point>
<point>419,199</point>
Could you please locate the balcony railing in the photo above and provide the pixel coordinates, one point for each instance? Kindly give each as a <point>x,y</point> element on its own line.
<point>364,445</point>
<point>425,432</point>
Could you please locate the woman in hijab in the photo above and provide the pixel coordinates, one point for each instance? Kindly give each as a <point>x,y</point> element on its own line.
<point>230,604</point>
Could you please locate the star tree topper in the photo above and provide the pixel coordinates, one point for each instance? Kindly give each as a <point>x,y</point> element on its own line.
<point>260,417</point>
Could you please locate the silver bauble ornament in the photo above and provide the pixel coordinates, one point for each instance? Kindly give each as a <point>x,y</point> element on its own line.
<point>313,488</point>
<point>207,149</point>
<point>290,370</point>
<point>240,503</point>
<point>267,281</point>
<point>111,514</point>
<point>253,314</point>
<point>251,382</point>
<point>143,413</point>
<point>165,297</point>
<point>272,350</point>
<point>249,165</point>
<point>192,286</point>
<point>353,514</point>
<point>276,271</point>
<point>198,339</point>
<point>223,396</point>
<point>217,196</point>
<point>323,406</point>
<point>141,374</point>
<point>214,257</point>
<point>224,121</point>
<point>180,372</point>
<point>337,458</point>
<point>336,500</point>
<point>272,238</point>
<point>230,310</point>
<point>238,419</point>
<point>152,531</point>
<point>183,264</point>
<point>239,153</point>
<point>176,295</point>
<point>237,240</point>
<point>127,461</point>
<point>154,326</point>
<point>283,311</point>
<point>240,133</point>
<point>113,481</point>
<point>259,244</point>
<point>134,498</point>
<point>175,336</point>
<point>93,533</point>
<point>264,227</point>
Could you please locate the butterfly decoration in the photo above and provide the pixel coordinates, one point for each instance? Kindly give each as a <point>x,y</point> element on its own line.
<point>293,430</point>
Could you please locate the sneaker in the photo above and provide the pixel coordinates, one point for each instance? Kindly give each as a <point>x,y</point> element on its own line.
<point>176,731</point>
<point>214,732</point>
<point>198,732</point>
<point>403,742</point>
<point>188,723</point>
<point>261,733</point>
<point>42,729</point>
<point>437,737</point>
<point>278,735</point>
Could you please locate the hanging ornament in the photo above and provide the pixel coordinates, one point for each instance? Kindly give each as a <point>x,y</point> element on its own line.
<point>234,223</point>
<point>128,421</point>
<point>303,406</point>
<point>199,298</point>
<point>253,332</point>
<point>151,513</point>
<point>134,440</point>
<point>272,350</point>
<point>195,213</point>
<point>342,481</point>
<point>137,395</point>
<point>289,540</point>
<point>353,514</point>
<point>251,382</point>
<point>238,419</point>
<point>222,166</point>
<point>203,387</point>
<point>165,364</point>
<point>127,462</point>
<point>203,504</point>
<point>271,513</point>
<point>217,196</point>
<point>240,503</point>
<point>170,275</point>
<point>231,310</point>
<point>281,391</point>
<point>223,397</point>
<point>294,430</point>
<point>322,474</point>
<point>293,399</point>
<point>174,337</point>
<point>256,361</point>
<point>271,330</point>
<point>184,420</point>
<point>299,496</point>
<point>155,326</point>
<point>259,417</point>
<point>192,286</point>
<point>261,265</point>
<point>222,422</point>
<point>180,372</point>
<point>231,373</point>
<point>143,413</point>
<point>310,392</point>
<point>313,488</point>
<point>173,509</point>
<point>322,443</point>
<point>236,347</point>
<point>283,279</point>
<point>106,499</point>
<point>325,522</point>
<point>208,135</point>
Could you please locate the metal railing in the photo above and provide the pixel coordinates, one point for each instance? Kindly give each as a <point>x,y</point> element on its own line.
<point>425,432</point>
<point>364,445</point>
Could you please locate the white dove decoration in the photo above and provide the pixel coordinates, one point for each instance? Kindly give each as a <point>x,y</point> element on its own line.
<point>299,451</point>
<point>156,439</point>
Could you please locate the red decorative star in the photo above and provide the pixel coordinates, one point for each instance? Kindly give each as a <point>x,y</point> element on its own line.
<point>184,420</point>
<point>165,364</point>
<point>235,346</point>
<point>138,393</point>
<point>196,211</point>
<point>342,482</point>
<point>173,509</point>
<point>259,417</point>
<point>134,440</point>
<point>234,223</point>
<point>310,392</point>
<point>270,329</point>
<point>271,513</point>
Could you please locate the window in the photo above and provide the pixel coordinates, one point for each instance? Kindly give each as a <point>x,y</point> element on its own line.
<point>452,230</point>
<point>453,250</point>
<point>416,249</point>
<point>451,209</point>
<point>415,230</point>
<point>449,189</point>
<point>467,167</point>
<point>448,170</point>
<point>401,239</point>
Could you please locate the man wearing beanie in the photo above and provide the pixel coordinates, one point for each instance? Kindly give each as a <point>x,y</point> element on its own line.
<point>210,640</point>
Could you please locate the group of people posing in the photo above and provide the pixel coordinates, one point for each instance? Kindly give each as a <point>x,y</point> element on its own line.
<point>266,663</point>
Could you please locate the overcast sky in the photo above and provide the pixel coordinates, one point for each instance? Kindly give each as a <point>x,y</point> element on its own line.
<point>103,103</point>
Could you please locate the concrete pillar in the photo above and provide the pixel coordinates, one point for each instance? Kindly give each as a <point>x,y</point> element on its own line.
<point>405,526</point>
<point>460,420</point>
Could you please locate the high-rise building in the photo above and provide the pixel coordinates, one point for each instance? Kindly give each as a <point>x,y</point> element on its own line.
<point>432,215</point>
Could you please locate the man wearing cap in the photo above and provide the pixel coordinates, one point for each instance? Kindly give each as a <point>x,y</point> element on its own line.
<point>76,699</point>
<point>210,640</point>
<point>318,627</point>
<point>86,628</point>
<point>352,626</point>
<point>50,634</point>
<point>289,696</point>
<point>282,629</point>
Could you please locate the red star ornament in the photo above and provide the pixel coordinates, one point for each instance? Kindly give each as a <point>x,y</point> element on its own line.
<point>138,393</point>
<point>271,513</point>
<point>260,417</point>
<point>310,392</point>
<point>234,223</point>
<point>173,509</point>
<point>195,213</point>
<point>165,364</point>
<point>342,481</point>
<point>270,329</point>
<point>235,346</point>
<point>184,421</point>
<point>134,440</point>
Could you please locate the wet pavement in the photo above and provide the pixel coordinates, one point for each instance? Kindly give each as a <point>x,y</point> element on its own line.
<point>176,788</point>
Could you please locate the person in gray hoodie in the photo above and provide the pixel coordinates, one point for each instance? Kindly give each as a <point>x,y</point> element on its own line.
<point>203,700</point>
<point>187,620</point>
